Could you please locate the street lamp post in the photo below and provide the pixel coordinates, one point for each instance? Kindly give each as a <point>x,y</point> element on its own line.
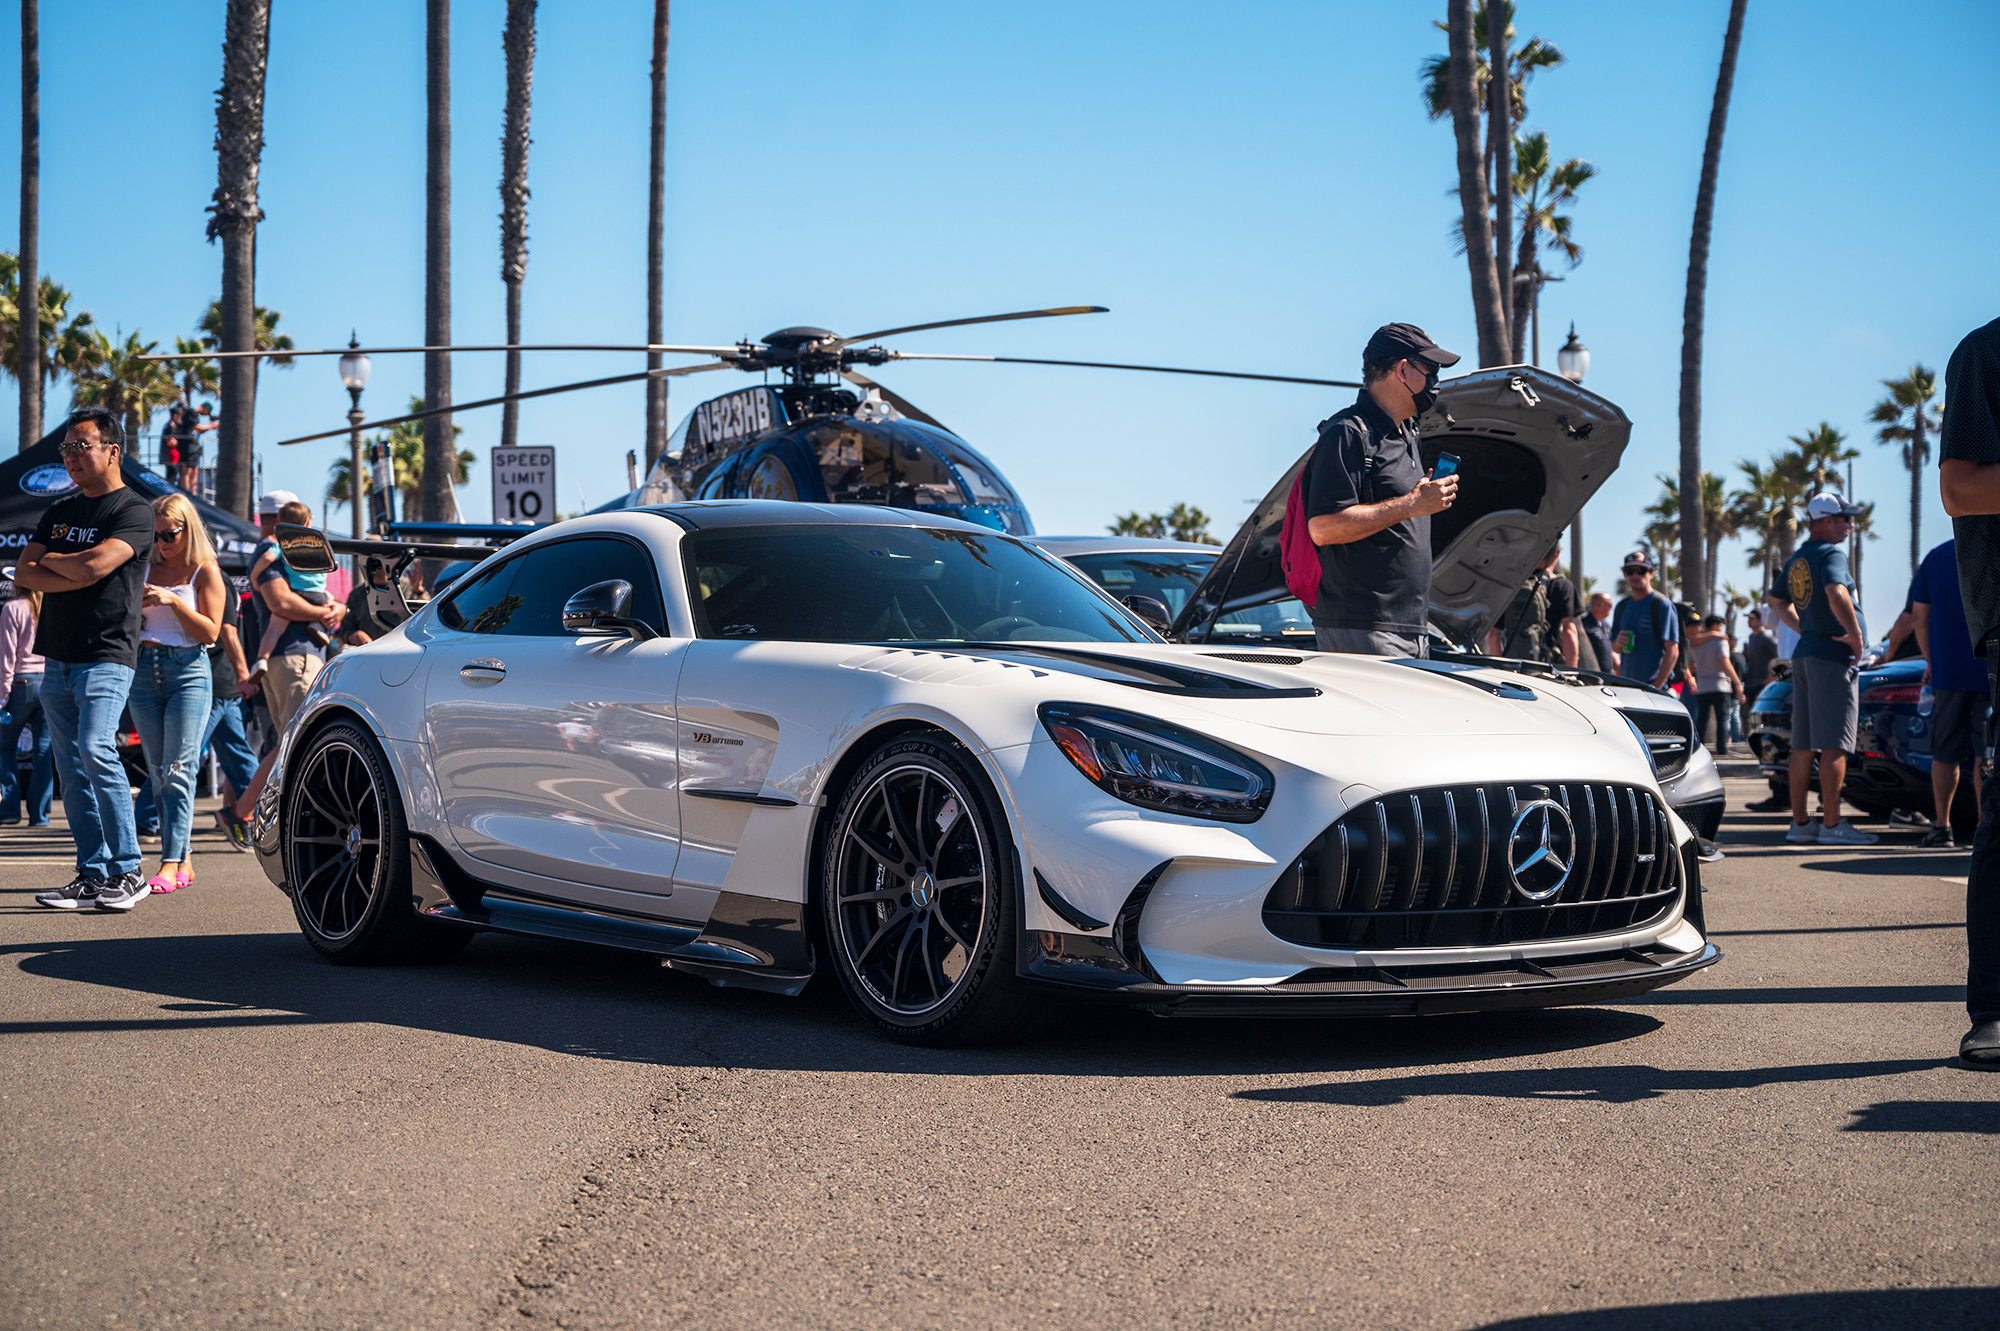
<point>354,374</point>
<point>1572,363</point>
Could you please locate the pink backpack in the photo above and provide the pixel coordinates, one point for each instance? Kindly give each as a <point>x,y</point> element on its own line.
<point>1295,544</point>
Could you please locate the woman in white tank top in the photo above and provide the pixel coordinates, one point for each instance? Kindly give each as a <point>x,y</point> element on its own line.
<point>171,690</point>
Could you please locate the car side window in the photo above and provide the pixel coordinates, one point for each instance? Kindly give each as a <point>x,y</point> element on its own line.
<point>485,604</point>
<point>551,574</point>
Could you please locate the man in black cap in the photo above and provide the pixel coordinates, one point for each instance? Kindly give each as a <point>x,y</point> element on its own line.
<point>1369,502</point>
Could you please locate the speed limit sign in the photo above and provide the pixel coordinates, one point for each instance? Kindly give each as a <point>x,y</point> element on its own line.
<point>524,485</point>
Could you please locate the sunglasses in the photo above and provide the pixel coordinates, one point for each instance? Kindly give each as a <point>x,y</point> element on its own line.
<point>76,448</point>
<point>1637,572</point>
<point>170,534</point>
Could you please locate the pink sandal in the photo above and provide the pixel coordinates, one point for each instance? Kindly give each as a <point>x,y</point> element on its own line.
<point>182,878</point>
<point>161,883</point>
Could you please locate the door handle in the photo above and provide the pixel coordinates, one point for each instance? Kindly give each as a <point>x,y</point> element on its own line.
<point>485,669</point>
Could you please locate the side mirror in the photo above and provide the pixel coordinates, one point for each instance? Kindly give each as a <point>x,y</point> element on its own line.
<point>1151,610</point>
<point>605,607</point>
<point>304,548</point>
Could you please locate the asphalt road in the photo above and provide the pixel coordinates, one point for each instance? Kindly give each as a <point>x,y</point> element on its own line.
<point>206,1126</point>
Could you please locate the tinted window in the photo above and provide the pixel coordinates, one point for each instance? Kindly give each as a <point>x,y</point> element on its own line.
<point>881,464</point>
<point>485,604</point>
<point>841,583</point>
<point>551,574</point>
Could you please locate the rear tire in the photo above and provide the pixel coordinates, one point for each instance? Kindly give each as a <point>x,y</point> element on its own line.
<point>920,904</point>
<point>346,853</point>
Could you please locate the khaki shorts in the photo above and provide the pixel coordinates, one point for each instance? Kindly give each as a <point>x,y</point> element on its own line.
<point>286,680</point>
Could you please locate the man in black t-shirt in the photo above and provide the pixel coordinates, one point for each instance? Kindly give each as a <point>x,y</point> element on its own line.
<point>1369,502</point>
<point>88,558</point>
<point>1969,476</point>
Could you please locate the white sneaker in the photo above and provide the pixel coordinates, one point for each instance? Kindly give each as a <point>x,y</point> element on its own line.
<point>124,892</point>
<point>81,892</point>
<point>1844,833</point>
<point>1805,833</point>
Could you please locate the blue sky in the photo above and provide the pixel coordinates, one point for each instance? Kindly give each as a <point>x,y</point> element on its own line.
<point>1247,187</point>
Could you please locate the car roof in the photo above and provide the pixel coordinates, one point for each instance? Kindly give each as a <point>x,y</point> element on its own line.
<point>1117,545</point>
<point>708,514</point>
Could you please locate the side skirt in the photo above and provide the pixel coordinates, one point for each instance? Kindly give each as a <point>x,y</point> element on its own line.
<point>750,942</point>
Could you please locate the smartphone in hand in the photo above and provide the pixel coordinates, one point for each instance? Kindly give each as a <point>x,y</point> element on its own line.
<point>1447,463</point>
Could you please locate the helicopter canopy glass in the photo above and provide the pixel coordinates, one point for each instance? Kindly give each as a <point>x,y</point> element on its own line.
<point>862,583</point>
<point>882,463</point>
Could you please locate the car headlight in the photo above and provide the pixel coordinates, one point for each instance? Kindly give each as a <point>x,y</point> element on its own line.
<point>1639,737</point>
<point>1158,766</point>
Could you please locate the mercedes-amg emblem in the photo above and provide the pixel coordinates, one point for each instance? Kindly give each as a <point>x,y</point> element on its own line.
<point>1540,849</point>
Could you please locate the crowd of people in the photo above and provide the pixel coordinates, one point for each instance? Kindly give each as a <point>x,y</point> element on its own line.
<point>121,614</point>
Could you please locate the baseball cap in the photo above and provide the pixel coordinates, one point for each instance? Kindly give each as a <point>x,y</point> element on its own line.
<point>1830,504</point>
<point>1637,559</point>
<point>271,501</point>
<point>1393,342</point>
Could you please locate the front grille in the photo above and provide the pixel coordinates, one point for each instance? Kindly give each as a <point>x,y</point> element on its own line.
<point>1669,737</point>
<point>1433,868</point>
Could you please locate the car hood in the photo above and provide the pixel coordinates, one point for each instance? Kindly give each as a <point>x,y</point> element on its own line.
<point>1532,447</point>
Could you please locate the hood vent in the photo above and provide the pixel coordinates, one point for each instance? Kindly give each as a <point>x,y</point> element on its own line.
<point>1257,658</point>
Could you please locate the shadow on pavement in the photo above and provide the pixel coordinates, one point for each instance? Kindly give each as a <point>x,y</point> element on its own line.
<point>595,1003</point>
<point>1981,1116</point>
<point>1841,1310</point>
<point>1928,864</point>
<point>1833,929</point>
<point>1843,993</point>
<point>1625,1084</point>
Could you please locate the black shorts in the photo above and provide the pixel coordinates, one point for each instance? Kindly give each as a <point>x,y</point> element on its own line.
<point>1958,725</point>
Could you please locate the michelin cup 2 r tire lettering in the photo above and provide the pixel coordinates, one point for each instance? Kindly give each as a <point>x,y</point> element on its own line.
<point>920,904</point>
<point>347,856</point>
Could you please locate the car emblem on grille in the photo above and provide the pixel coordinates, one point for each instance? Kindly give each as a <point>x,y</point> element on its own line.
<point>1540,849</point>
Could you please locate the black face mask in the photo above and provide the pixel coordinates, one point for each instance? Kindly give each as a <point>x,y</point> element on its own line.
<point>1427,399</point>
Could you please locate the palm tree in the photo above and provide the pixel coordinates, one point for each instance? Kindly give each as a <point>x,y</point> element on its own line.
<point>29,354</point>
<point>656,230</point>
<point>1863,529</point>
<point>519,44</point>
<point>63,343</point>
<point>1764,505</point>
<point>1734,601</point>
<point>406,459</point>
<point>1907,420</point>
<point>119,380</point>
<point>1718,525</point>
<point>239,147</point>
<point>1543,190</point>
<point>437,502</point>
<point>267,337</point>
<point>1692,311</point>
<point>1474,214</point>
<point>1816,457</point>
<point>1663,533</point>
<point>198,376</point>
<point>1535,54</point>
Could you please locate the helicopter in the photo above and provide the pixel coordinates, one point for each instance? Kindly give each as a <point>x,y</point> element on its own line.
<point>825,433</point>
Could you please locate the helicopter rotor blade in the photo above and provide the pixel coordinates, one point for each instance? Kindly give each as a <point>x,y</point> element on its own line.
<point>457,407</point>
<point>894,399</point>
<point>1155,369</point>
<point>386,351</point>
<point>982,319</point>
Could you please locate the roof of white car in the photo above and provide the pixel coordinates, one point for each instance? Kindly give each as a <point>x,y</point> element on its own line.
<point>705,514</point>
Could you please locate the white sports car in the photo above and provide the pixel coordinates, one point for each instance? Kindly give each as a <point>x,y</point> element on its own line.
<point>762,738</point>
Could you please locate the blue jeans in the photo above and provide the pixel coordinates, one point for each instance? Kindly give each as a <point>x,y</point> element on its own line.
<point>24,712</point>
<point>170,700</point>
<point>232,747</point>
<point>83,704</point>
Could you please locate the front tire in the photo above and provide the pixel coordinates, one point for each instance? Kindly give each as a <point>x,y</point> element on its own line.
<point>346,854</point>
<point>920,904</point>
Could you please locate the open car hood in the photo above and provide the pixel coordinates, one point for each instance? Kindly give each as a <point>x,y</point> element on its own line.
<point>1532,447</point>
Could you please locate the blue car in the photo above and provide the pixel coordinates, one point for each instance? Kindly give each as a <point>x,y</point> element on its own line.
<point>1890,770</point>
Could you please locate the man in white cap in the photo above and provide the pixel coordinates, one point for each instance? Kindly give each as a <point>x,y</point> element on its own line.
<point>1815,596</point>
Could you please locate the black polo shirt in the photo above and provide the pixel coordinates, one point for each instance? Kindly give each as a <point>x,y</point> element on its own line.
<point>1380,582</point>
<point>1971,433</point>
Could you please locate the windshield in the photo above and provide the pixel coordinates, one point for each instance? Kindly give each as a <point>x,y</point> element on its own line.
<point>850,583</point>
<point>1170,576</point>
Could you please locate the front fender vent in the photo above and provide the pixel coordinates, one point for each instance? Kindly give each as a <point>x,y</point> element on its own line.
<point>1434,868</point>
<point>1669,738</point>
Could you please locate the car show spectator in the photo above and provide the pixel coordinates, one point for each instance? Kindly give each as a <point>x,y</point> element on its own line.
<point>1815,595</point>
<point>1760,649</point>
<point>1540,624</point>
<point>1369,502</point>
<point>21,696</point>
<point>180,443</point>
<point>1646,626</point>
<point>227,733</point>
<point>171,695</point>
<point>1716,683</point>
<point>88,558</point>
<point>374,607</point>
<point>1961,695</point>
<point>1596,624</point>
<point>303,620</point>
<point>310,586</point>
<point>1969,479</point>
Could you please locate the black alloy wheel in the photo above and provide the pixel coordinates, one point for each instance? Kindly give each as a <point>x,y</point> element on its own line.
<point>346,855</point>
<point>919,902</point>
